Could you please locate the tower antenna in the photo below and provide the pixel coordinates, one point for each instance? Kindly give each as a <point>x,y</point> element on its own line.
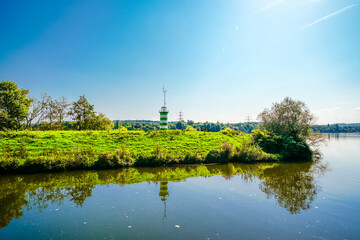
<point>181,116</point>
<point>248,119</point>
<point>164,95</point>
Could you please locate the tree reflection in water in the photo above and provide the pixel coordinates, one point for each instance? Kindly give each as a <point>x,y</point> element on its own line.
<point>293,185</point>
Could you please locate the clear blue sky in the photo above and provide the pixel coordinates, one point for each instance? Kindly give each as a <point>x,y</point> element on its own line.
<point>220,60</point>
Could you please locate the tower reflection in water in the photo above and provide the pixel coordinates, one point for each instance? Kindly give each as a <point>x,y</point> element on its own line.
<point>164,193</point>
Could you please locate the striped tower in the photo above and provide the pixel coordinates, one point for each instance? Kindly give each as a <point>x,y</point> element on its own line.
<point>164,114</point>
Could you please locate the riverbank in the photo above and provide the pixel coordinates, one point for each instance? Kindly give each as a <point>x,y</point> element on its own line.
<point>37,151</point>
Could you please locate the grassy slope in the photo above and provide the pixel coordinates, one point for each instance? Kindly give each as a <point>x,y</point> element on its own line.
<point>48,150</point>
<point>177,142</point>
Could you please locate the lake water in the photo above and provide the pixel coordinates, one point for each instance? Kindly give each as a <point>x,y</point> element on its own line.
<point>235,201</point>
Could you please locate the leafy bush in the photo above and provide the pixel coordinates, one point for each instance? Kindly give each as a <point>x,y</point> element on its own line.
<point>189,129</point>
<point>84,157</point>
<point>289,118</point>
<point>212,157</point>
<point>254,153</point>
<point>157,158</point>
<point>123,129</point>
<point>246,153</point>
<point>225,155</point>
<point>120,158</point>
<point>229,131</point>
<point>286,147</point>
<point>192,158</point>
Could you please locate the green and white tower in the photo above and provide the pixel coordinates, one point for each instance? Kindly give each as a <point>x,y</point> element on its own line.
<point>164,114</point>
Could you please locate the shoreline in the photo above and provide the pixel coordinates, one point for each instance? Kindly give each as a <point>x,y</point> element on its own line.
<point>54,151</point>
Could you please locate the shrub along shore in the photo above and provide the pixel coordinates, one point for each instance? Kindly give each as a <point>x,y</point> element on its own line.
<point>37,151</point>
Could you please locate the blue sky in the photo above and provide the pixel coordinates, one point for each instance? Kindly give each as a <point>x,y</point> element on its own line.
<point>219,60</point>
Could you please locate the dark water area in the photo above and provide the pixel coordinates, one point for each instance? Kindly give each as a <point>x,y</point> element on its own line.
<point>318,200</point>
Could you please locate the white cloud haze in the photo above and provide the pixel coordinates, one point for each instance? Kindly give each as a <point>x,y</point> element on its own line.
<point>329,15</point>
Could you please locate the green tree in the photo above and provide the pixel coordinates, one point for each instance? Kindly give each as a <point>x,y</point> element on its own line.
<point>61,106</point>
<point>82,112</point>
<point>116,126</point>
<point>100,122</point>
<point>290,118</point>
<point>53,112</point>
<point>38,112</point>
<point>14,105</point>
<point>50,110</point>
<point>181,125</point>
<point>34,114</point>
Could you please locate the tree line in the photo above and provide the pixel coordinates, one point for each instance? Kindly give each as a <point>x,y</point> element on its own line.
<point>20,111</point>
<point>247,127</point>
<point>147,125</point>
<point>335,128</point>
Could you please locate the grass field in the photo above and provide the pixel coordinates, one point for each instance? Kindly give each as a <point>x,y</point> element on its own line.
<point>58,150</point>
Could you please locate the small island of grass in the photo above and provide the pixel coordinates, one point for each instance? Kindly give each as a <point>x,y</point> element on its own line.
<point>283,135</point>
<point>34,151</point>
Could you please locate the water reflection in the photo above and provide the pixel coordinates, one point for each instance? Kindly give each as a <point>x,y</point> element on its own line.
<point>164,192</point>
<point>338,136</point>
<point>292,185</point>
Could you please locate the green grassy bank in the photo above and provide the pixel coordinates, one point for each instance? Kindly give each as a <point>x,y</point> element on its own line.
<point>35,151</point>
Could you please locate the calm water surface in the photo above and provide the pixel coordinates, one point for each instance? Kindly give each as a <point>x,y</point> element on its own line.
<point>266,201</point>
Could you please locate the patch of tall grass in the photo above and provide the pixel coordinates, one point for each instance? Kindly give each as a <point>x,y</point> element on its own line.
<point>27,151</point>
